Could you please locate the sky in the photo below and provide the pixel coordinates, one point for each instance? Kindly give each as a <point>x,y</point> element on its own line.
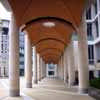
<point>4,14</point>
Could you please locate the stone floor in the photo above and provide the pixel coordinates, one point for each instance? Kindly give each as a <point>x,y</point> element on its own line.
<point>47,89</point>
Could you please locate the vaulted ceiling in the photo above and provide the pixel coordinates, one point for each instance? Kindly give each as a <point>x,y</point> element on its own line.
<point>50,41</point>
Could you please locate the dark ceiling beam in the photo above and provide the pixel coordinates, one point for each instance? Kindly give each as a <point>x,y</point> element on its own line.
<point>39,19</point>
<point>50,54</point>
<point>45,49</point>
<point>46,39</point>
<point>51,59</point>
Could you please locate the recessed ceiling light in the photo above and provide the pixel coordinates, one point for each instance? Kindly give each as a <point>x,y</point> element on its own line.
<point>49,24</point>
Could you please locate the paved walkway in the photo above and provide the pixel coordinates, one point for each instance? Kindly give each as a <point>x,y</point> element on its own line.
<point>47,89</point>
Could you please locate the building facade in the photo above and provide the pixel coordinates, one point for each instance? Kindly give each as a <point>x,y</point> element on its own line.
<point>51,70</point>
<point>4,49</point>
<point>93,34</point>
<point>93,39</point>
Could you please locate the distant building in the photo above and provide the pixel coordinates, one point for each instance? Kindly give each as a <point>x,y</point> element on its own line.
<point>51,70</point>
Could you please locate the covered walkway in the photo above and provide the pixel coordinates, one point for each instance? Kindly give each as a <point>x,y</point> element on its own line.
<point>49,27</point>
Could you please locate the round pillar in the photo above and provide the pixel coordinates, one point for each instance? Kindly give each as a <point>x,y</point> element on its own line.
<point>83,58</point>
<point>42,68</point>
<point>14,89</point>
<point>65,67</point>
<point>71,65</point>
<point>34,65</point>
<point>38,67</point>
<point>28,61</point>
<point>62,68</point>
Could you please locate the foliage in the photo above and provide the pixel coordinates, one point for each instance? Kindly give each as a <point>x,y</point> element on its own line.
<point>95,83</point>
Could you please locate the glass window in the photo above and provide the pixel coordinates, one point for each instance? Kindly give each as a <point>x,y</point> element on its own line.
<point>95,5</point>
<point>51,66</point>
<point>5,30</point>
<point>51,72</point>
<point>88,14</point>
<point>91,54</point>
<point>97,29</point>
<point>89,31</point>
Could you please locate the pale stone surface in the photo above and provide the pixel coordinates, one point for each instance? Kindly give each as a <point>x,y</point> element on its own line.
<point>71,64</point>
<point>61,68</point>
<point>28,61</point>
<point>18,98</point>
<point>38,68</point>
<point>47,89</point>
<point>65,66</point>
<point>13,59</point>
<point>43,69</point>
<point>34,65</point>
<point>83,57</point>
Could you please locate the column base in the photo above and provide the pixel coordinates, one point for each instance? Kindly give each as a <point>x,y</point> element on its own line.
<point>35,81</point>
<point>65,81</point>
<point>14,93</point>
<point>83,90</point>
<point>39,79</point>
<point>28,85</point>
<point>71,84</point>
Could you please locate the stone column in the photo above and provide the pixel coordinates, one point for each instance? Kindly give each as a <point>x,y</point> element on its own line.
<point>42,68</point>
<point>28,61</point>
<point>83,57</point>
<point>58,69</point>
<point>62,68</point>
<point>34,65</point>
<point>14,89</point>
<point>65,67</point>
<point>38,67</point>
<point>71,65</point>
<point>47,70</point>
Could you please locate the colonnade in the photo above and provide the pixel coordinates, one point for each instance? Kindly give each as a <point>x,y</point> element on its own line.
<point>69,61</point>
<point>35,68</point>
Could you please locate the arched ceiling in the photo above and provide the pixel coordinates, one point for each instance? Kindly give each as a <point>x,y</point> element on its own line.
<point>63,14</point>
<point>44,37</point>
<point>25,11</point>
